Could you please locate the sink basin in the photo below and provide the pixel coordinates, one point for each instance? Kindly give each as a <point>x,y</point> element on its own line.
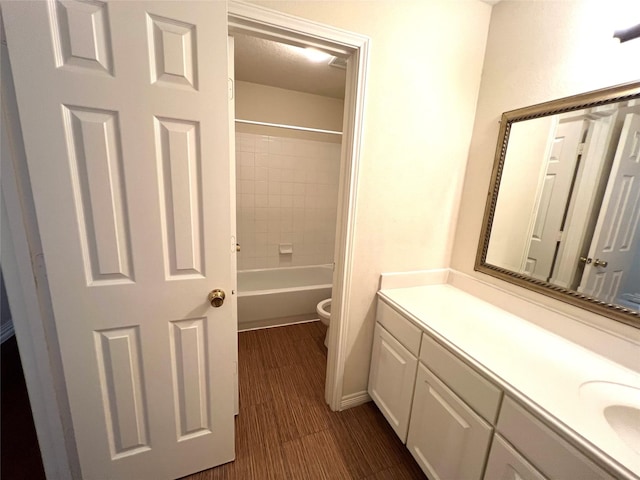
<point>625,421</point>
<point>619,406</point>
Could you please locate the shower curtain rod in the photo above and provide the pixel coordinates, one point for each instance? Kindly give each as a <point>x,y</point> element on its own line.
<point>291,127</point>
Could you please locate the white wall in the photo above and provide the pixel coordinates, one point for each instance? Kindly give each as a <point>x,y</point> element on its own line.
<point>539,51</point>
<point>263,103</point>
<point>424,74</point>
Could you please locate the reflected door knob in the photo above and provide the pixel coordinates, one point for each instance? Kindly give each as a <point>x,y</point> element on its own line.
<point>216,298</point>
<point>600,263</point>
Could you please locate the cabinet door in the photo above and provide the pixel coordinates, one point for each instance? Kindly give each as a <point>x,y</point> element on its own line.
<point>551,454</point>
<point>507,464</point>
<point>447,439</point>
<point>391,379</point>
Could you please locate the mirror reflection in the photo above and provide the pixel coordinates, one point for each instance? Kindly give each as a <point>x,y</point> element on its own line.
<point>568,205</point>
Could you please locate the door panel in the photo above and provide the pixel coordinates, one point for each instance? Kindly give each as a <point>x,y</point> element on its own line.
<point>98,188</point>
<point>179,167</point>
<point>124,110</point>
<point>125,405</point>
<point>556,186</point>
<point>617,232</point>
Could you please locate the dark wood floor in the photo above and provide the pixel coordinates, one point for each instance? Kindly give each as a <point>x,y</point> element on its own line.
<point>284,430</point>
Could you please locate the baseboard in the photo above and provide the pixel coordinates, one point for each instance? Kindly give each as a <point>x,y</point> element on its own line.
<point>6,332</point>
<point>354,399</point>
<point>276,322</point>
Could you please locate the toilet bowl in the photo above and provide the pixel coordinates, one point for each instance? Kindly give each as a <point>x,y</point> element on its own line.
<point>323,310</point>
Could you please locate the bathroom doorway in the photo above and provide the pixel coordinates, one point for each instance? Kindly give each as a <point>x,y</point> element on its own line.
<point>289,105</point>
<point>353,50</point>
<point>289,108</point>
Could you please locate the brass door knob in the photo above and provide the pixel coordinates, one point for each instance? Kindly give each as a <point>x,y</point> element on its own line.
<point>585,260</point>
<point>600,263</point>
<point>216,298</point>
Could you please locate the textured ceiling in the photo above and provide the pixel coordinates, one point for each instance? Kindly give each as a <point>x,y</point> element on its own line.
<point>279,65</point>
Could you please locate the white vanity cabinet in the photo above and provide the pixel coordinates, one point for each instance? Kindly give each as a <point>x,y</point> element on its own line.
<point>394,362</point>
<point>526,449</point>
<point>460,420</point>
<point>452,415</point>
<point>439,406</point>
<point>543,448</point>
<point>446,437</point>
<point>505,463</point>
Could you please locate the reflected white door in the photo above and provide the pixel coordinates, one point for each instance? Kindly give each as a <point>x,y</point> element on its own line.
<point>556,187</point>
<point>124,109</point>
<point>616,237</point>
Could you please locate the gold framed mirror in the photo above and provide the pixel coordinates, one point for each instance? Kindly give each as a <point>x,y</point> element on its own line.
<point>562,216</point>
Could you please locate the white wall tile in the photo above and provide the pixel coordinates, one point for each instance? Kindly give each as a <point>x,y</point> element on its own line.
<point>275,174</point>
<point>261,174</point>
<point>287,174</point>
<point>287,188</point>
<point>299,176</point>
<point>274,200</point>
<point>261,143</point>
<point>261,227</point>
<point>246,172</point>
<point>286,200</point>
<point>261,160</point>
<point>260,188</point>
<point>287,192</point>
<point>261,201</point>
<point>245,158</point>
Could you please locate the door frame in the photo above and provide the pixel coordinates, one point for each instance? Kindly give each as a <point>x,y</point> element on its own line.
<point>23,265</point>
<point>273,25</point>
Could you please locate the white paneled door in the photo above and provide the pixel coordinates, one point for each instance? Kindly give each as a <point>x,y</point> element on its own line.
<point>124,110</point>
<point>617,234</point>
<point>556,186</point>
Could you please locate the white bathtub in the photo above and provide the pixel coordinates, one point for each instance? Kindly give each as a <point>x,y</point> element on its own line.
<point>277,296</point>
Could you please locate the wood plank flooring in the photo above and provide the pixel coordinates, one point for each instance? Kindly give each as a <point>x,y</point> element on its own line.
<point>286,431</point>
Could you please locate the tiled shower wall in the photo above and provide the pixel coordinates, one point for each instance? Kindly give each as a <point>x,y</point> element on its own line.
<point>287,192</point>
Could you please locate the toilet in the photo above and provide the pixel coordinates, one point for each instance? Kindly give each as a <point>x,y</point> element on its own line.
<point>324,312</point>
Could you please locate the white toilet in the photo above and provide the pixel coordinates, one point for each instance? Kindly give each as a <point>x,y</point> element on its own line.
<point>324,312</point>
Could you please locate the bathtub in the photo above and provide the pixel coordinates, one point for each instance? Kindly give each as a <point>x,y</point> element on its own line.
<point>279,296</point>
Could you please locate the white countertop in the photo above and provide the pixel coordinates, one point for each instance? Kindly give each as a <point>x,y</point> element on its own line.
<point>543,370</point>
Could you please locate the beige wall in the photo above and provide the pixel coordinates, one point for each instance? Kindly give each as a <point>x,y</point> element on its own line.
<point>539,51</point>
<point>424,74</point>
<point>276,105</point>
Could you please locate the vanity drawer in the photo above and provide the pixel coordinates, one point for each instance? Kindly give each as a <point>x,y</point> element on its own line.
<point>475,390</point>
<point>506,463</point>
<point>548,453</point>
<point>398,326</point>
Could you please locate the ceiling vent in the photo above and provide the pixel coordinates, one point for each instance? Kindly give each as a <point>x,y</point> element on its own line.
<point>338,63</point>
